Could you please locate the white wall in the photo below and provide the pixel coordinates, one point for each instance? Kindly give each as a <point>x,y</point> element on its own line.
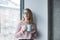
<point>39,9</point>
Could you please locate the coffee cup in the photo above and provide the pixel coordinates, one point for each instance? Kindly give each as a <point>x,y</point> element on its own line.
<point>29,27</point>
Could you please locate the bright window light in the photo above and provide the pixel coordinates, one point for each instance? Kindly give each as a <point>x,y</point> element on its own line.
<point>10,3</point>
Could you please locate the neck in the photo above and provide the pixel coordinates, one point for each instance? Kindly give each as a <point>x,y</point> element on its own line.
<point>27,21</point>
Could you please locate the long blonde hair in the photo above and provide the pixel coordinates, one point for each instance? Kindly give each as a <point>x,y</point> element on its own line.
<point>31,17</point>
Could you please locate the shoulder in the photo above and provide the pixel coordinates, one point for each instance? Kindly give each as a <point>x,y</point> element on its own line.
<point>34,24</point>
<point>20,22</point>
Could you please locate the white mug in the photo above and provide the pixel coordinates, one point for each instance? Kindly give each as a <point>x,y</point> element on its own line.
<point>29,27</point>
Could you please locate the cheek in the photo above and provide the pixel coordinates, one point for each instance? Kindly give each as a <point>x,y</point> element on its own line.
<point>24,16</point>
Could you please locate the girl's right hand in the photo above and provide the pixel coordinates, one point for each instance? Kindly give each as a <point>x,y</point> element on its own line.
<point>23,29</point>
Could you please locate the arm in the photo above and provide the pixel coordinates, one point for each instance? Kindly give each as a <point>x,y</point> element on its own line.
<point>18,28</point>
<point>33,29</point>
<point>18,31</point>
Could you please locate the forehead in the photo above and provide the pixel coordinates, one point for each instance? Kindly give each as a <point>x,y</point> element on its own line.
<point>25,11</point>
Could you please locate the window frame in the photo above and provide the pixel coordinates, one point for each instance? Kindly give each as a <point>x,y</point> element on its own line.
<point>21,8</point>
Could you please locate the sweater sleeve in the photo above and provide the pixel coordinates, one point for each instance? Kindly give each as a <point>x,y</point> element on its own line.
<point>34,28</point>
<point>18,31</point>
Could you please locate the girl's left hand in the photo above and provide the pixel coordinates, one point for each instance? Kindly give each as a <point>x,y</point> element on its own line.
<point>33,31</point>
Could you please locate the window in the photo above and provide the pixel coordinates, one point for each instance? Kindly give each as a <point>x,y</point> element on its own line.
<point>10,3</point>
<point>10,14</point>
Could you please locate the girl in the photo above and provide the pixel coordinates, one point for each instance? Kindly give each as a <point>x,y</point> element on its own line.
<point>26,28</point>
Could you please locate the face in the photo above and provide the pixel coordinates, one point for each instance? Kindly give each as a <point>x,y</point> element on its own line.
<point>26,14</point>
